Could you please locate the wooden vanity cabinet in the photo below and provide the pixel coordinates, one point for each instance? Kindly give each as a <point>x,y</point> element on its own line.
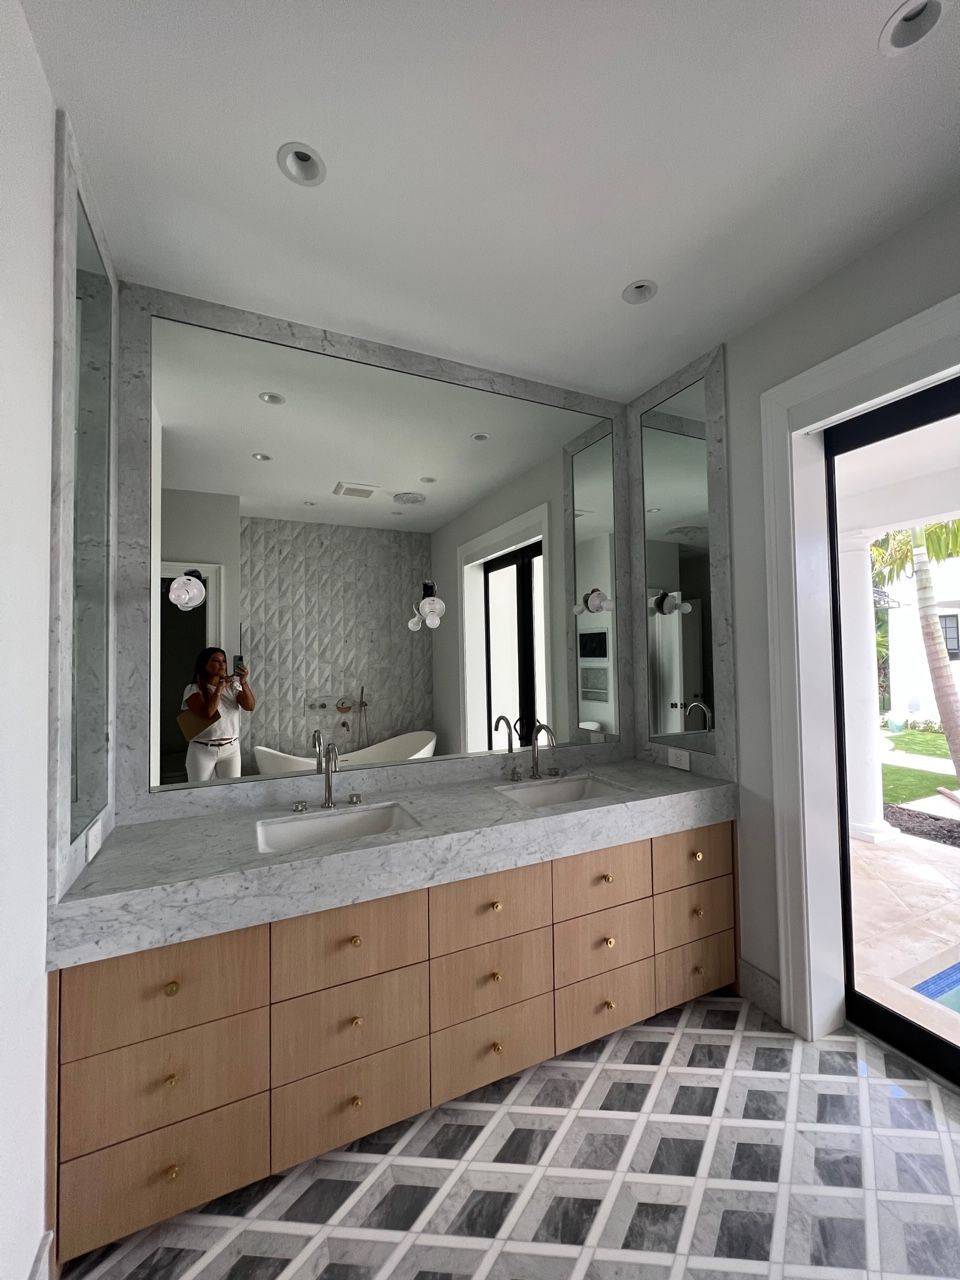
<point>194,1069</point>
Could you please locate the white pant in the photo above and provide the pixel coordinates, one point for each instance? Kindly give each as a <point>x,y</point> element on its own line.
<point>204,761</point>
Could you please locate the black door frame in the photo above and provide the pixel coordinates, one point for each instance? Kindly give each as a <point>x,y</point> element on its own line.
<point>522,558</point>
<point>918,410</point>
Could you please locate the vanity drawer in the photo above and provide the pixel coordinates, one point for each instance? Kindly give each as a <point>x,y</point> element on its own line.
<point>466,984</point>
<point>603,940</point>
<point>694,912</point>
<point>113,1192</point>
<point>602,878</point>
<point>593,1008</point>
<point>470,912</point>
<point>324,1111</point>
<point>474,1053</point>
<point>691,971</point>
<point>322,1030</point>
<point>310,953</point>
<point>127,999</point>
<point>129,1091</point>
<point>687,857</point>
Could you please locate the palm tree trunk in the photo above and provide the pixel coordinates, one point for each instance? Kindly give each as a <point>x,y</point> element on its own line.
<point>945,691</point>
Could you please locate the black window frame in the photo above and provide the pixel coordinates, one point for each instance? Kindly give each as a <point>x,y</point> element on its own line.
<point>953,650</point>
<point>522,558</point>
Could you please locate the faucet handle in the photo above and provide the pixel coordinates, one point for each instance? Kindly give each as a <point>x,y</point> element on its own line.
<point>299,806</point>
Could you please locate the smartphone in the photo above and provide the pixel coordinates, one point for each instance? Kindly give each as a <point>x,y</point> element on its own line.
<point>237,662</point>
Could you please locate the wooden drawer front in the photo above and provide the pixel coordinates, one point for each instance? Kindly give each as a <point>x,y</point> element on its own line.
<point>594,1008</point>
<point>324,1111</point>
<point>470,912</point>
<point>131,998</point>
<point>693,912</point>
<point>604,940</point>
<point>110,1193</point>
<point>474,1053</point>
<point>313,1033</point>
<point>311,953</point>
<point>603,878</point>
<point>687,857</point>
<point>466,984</point>
<point>690,971</point>
<point>117,1095</point>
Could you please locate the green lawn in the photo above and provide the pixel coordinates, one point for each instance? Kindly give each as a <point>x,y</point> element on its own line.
<point>901,785</point>
<point>921,744</point>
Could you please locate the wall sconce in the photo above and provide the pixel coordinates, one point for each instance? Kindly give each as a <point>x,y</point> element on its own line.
<point>188,591</point>
<point>666,603</point>
<point>594,601</point>
<point>430,609</point>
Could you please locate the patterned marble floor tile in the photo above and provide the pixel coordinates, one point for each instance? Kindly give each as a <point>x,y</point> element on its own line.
<point>901,1106</point>
<point>827,1158</point>
<point>671,1149</point>
<point>827,1231</point>
<point>554,1084</point>
<point>830,1102</point>
<point>517,1263</point>
<point>758,1097</point>
<point>747,1155</point>
<point>687,1093</point>
<point>518,1137</point>
<point>764,1053</point>
<point>255,1255</point>
<point>447,1134</point>
<point>919,1238</point>
<point>911,1163</point>
<point>643,1047</point>
<point>716,1015</point>
<point>477,1204</point>
<point>735,1224</point>
<point>342,1256</point>
<point>593,1142</point>
<point>647,1218</point>
<point>702,1050</point>
<point>422,1260</point>
<point>561,1210</point>
<point>603,1267</point>
<point>619,1089</point>
<point>315,1192</point>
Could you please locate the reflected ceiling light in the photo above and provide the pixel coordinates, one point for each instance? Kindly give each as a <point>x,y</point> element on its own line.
<point>909,24</point>
<point>301,164</point>
<point>272,397</point>
<point>594,601</point>
<point>428,479</point>
<point>430,609</point>
<point>409,499</point>
<point>261,457</point>
<point>652,511</point>
<point>639,291</point>
<point>187,592</point>
<point>308,503</point>
<point>479,436</point>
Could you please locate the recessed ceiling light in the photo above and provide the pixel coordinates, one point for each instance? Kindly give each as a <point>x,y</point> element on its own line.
<point>409,499</point>
<point>652,510</point>
<point>639,291</point>
<point>307,503</point>
<point>301,164</point>
<point>261,457</point>
<point>428,479</point>
<point>479,436</point>
<point>396,513</point>
<point>272,397</point>
<point>908,25</point>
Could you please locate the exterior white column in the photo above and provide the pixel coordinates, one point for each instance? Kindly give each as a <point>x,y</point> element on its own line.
<point>861,691</point>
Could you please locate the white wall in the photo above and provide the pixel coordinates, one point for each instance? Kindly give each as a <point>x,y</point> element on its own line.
<point>206,527</point>
<point>26,341</point>
<point>917,268</point>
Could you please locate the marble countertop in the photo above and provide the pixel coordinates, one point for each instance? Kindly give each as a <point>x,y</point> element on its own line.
<point>154,883</point>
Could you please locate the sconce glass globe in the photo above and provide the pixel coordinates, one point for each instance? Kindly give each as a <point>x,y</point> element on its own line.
<point>187,592</point>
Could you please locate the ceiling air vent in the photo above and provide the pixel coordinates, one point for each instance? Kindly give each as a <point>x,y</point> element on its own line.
<point>344,489</point>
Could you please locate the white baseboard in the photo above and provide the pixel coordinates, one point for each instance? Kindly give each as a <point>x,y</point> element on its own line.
<point>760,989</point>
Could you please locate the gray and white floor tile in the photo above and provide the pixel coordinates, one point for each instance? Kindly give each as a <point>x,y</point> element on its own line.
<point>704,1144</point>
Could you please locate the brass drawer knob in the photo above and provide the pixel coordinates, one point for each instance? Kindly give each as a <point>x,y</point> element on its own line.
<point>698,970</point>
<point>496,976</point>
<point>171,988</point>
<point>609,942</point>
<point>698,912</point>
<point>171,1080</point>
<point>610,1004</point>
<point>497,1047</point>
<point>356,940</point>
<point>496,906</point>
<point>173,1173</point>
<point>356,1102</point>
<point>356,1022</point>
<point>698,855</point>
<point>607,878</point>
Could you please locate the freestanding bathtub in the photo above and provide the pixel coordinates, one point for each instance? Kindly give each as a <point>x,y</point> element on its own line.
<point>405,746</point>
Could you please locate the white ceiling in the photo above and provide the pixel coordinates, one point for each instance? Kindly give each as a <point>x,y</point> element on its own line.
<point>342,421</point>
<point>674,487</point>
<point>499,171</point>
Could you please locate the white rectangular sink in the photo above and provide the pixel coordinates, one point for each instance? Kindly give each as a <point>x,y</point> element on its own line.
<point>330,826</point>
<point>551,791</point>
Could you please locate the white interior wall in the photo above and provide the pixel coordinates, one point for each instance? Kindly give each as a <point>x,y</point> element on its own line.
<point>913,270</point>
<point>205,527</point>
<point>26,371</point>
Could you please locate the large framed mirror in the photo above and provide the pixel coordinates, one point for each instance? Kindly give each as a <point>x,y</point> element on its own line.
<point>408,567</point>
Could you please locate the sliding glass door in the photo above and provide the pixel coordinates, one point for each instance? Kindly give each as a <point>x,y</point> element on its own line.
<point>515,643</point>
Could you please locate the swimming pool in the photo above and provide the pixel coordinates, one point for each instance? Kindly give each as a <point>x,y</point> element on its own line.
<point>943,987</point>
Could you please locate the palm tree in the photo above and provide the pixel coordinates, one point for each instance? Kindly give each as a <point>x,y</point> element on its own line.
<point>911,551</point>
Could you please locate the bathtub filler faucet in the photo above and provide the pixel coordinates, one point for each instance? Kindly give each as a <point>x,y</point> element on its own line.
<point>318,749</point>
<point>331,765</point>
<point>535,746</point>
<point>707,713</point>
<point>509,728</point>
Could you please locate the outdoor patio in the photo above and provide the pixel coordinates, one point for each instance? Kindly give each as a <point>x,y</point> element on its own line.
<point>906,919</point>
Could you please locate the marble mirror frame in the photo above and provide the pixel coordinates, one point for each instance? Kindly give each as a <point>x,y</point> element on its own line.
<point>136,801</point>
<point>723,762</point>
<point>66,855</point>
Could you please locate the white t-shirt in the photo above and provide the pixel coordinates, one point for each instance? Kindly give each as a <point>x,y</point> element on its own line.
<point>228,726</point>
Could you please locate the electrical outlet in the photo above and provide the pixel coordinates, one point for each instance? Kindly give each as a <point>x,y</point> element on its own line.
<point>94,839</point>
<point>677,758</point>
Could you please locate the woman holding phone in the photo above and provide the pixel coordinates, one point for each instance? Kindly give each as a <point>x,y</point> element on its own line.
<point>218,696</point>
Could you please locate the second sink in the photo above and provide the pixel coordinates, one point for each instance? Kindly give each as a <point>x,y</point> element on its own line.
<point>551,791</point>
<point>310,830</point>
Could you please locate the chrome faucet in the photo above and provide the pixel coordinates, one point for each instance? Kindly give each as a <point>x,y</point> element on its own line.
<point>707,713</point>
<point>318,749</point>
<point>535,746</point>
<point>331,765</point>
<point>509,728</point>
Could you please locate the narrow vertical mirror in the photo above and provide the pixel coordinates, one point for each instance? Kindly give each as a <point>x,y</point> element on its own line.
<point>596,628</point>
<point>91,533</point>
<point>677,550</point>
